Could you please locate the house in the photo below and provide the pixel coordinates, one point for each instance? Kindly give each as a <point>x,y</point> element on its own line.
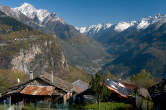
<point>82,92</point>
<point>118,88</point>
<point>120,92</point>
<point>158,94</point>
<point>38,90</point>
<point>79,86</point>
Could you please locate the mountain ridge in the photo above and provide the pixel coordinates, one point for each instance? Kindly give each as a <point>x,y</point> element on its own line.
<point>122,26</point>
<point>80,50</point>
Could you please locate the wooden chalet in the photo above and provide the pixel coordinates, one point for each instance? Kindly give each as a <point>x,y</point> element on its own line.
<point>38,90</point>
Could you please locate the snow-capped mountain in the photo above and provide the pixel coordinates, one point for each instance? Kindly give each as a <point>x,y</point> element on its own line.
<point>39,15</point>
<point>146,22</point>
<point>122,26</point>
<point>93,28</point>
<point>89,57</point>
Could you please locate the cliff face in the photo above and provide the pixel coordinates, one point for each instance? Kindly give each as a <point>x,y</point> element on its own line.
<point>39,58</point>
<point>25,49</point>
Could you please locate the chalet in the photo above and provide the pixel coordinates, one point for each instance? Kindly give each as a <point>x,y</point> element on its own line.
<point>38,90</point>
<point>158,95</point>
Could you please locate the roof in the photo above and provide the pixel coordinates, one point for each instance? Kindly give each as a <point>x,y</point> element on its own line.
<point>38,90</point>
<point>59,84</point>
<point>129,85</point>
<point>80,86</point>
<point>118,88</point>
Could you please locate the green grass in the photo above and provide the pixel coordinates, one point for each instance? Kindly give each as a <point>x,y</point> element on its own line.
<point>104,106</point>
<point>1,107</point>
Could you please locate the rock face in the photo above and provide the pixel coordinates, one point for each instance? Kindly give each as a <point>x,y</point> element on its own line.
<point>25,57</point>
<point>34,59</point>
<point>26,50</point>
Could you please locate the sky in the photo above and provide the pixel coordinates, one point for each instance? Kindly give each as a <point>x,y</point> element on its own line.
<point>88,12</point>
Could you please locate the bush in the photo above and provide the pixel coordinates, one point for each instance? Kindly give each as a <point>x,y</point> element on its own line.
<point>143,79</point>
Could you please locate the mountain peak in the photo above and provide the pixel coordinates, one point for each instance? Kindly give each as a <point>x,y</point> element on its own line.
<point>94,28</point>
<point>25,5</point>
<point>31,12</point>
<point>40,15</point>
<point>121,26</point>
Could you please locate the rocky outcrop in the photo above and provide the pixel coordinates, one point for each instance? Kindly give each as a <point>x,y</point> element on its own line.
<point>40,59</point>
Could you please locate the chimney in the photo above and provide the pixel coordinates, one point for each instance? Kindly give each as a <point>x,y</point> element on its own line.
<point>31,75</point>
<point>18,80</point>
<point>52,77</point>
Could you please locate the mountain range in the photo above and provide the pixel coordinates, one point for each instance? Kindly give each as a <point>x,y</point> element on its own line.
<point>80,50</point>
<point>134,45</point>
<point>122,49</point>
<point>142,24</point>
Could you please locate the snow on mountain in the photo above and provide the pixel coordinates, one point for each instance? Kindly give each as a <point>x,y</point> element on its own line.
<point>145,22</point>
<point>106,26</point>
<point>93,28</point>
<point>82,29</point>
<point>33,13</point>
<point>123,26</point>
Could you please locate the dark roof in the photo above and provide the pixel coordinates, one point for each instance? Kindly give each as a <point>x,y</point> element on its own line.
<point>79,86</point>
<point>58,82</point>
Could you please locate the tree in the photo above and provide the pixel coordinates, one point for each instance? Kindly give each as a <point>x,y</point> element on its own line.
<point>99,88</point>
<point>109,75</point>
<point>143,79</point>
<point>8,78</point>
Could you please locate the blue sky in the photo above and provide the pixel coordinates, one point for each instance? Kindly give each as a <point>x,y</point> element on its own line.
<point>87,12</point>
